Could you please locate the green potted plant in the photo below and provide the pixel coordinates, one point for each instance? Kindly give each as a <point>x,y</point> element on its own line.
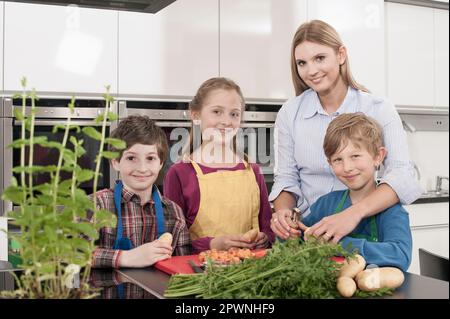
<point>56,241</point>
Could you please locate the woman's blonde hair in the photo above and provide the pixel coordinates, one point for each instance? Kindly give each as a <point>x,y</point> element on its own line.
<point>319,32</point>
<point>197,103</point>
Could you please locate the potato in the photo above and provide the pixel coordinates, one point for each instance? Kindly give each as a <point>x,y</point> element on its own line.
<point>166,238</point>
<point>384,277</point>
<point>251,235</point>
<point>352,266</point>
<point>346,286</point>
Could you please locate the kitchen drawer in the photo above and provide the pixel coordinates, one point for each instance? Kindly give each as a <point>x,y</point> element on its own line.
<point>428,214</point>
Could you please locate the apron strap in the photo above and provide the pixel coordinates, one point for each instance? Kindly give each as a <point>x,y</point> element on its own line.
<point>373,237</point>
<point>160,225</point>
<point>197,168</point>
<point>117,202</point>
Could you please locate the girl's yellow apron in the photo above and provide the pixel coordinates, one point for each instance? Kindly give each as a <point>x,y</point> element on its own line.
<point>229,203</point>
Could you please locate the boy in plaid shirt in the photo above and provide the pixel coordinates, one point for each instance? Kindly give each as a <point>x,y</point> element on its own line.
<point>142,213</point>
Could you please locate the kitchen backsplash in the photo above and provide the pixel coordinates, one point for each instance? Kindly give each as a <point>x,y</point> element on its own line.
<point>430,152</point>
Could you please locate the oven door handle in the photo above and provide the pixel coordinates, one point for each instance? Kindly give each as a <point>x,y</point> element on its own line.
<point>257,125</point>
<point>62,122</point>
<point>173,124</point>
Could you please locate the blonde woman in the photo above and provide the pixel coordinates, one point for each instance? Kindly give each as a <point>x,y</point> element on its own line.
<point>325,88</point>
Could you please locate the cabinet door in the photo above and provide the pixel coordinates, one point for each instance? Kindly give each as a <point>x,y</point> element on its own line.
<point>3,239</point>
<point>441,56</point>
<point>60,49</point>
<point>410,60</point>
<point>2,5</point>
<point>430,230</point>
<point>171,52</point>
<point>360,24</point>
<point>255,44</point>
<point>432,238</point>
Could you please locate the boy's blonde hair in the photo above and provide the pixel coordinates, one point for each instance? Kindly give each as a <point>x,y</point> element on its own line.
<point>363,131</point>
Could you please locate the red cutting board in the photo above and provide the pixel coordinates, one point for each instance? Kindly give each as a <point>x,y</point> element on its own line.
<point>177,264</point>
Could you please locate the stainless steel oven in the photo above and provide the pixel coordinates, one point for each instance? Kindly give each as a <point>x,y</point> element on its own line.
<point>173,117</point>
<point>50,112</point>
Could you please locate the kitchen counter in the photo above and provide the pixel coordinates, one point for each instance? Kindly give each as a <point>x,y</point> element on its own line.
<point>428,198</point>
<point>155,282</point>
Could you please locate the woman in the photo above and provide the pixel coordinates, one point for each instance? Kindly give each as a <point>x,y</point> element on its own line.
<point>325,88</point>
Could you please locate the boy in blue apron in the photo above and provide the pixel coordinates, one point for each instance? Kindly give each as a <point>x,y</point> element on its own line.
<point>353,147</point>
<point>142,213</point>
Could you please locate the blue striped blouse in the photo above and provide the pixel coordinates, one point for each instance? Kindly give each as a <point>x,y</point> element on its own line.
<point>300,163</point>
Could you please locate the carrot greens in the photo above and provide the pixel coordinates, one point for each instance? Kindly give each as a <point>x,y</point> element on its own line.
<point>293,269</point>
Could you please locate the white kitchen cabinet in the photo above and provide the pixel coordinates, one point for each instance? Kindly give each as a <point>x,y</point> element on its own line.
<point>171,52</point>
<point>430,230</point>
<point>360,24</point>
<point>2,5</point>
<point>60,49</point>
<point>410,59</point>
<point>255,44</point>
<point>441,55</point>
<point>3,238</point>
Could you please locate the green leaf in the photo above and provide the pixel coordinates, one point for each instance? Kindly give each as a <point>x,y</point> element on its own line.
<point>117,143</point>
<point>14,194</point>
<point>112,116</point>
<point>51,144</point>
<point>87,229</point>
<point>104,218</point>
<point>109,155</point>
<point>69,157</point>
<point>92,132</point>
<point>18,143</point>
<point>85,175</point>
<point>44,200</point>
<point>57,127</point>
<point>71,105</point>
<point>18,114</point>
<point>50,232</point>
<point>35,169</point>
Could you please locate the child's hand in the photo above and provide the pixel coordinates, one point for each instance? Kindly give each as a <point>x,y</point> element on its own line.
<point>227,241</point>
<point>145,255</point>
<point>262,241</point>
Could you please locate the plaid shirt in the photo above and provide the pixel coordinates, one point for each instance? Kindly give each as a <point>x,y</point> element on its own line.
<point>139,225</point>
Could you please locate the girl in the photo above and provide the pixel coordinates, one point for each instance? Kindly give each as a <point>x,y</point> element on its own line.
<point>325,88</point>
<point>222,194</point>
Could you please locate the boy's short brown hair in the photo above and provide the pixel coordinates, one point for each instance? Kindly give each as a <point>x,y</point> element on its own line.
<point>358,128</point>
<point>140,129</point>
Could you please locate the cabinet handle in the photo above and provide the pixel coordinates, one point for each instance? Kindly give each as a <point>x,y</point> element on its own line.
<point>429,226</point>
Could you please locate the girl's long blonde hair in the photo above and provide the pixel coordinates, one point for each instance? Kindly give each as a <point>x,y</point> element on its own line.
<point>198,102</point>
<point>319,32</point>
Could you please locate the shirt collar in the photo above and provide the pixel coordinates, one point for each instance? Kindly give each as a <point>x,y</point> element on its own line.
<point>130,196</point>
<point>314,107</point>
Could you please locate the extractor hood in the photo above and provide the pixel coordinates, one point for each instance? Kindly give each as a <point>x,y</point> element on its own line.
<point>149,6</point>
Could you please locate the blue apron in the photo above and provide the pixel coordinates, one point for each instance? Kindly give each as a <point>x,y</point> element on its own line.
<point>124,243</point>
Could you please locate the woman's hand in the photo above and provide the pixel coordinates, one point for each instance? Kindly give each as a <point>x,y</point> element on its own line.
<point>145,255</point>
<point>227,241</point>
<point>262,241</point>
<point>334,227</point>
<point>282,225</point>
